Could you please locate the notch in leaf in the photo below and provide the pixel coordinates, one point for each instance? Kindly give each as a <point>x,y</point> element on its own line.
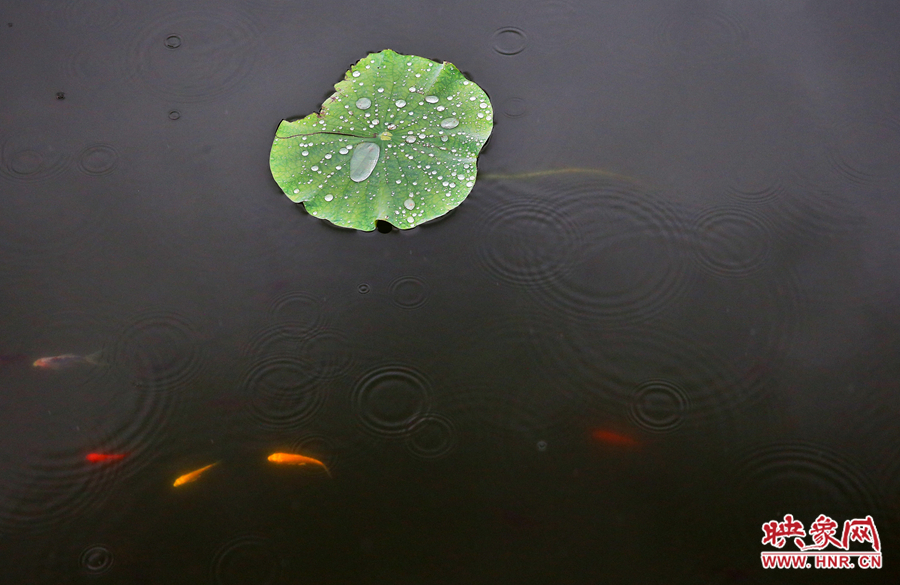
<point>398,142</point>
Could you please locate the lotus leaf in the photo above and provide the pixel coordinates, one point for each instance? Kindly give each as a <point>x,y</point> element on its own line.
<point>398,142</point>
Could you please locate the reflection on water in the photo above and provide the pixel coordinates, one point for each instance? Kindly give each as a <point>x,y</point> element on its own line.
<point>665,315</point>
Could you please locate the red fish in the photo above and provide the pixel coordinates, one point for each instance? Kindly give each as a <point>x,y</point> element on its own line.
<point>58,362</point>
<point>104,457</point>
<point>613,438</point>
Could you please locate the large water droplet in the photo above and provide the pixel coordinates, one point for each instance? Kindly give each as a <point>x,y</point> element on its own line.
<point>410,139</point>
<point>431,99</point>
<point>409,204</point>
<point>400,103</point>
<point>449,123</point>
<point>363,161</point>
<point>363,103</point>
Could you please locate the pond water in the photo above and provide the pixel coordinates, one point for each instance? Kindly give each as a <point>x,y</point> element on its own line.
<point>667,314</point>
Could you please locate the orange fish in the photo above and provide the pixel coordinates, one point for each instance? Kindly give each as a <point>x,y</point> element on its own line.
<point>294,459</point>
<point>104,457</point>
<point>614,438</point>
<point>58,362</point>
<point>192,476</point>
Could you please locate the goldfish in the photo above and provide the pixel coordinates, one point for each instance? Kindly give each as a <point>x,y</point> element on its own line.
<point>294,459</point>
<point>192,476</point>
<point>104,457</point>
<point>614,438</point>
<point>59,362</point>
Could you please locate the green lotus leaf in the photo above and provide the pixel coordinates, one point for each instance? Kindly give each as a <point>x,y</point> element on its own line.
<point>398,141</point>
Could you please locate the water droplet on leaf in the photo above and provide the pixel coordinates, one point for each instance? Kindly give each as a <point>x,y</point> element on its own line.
<point>449,123</point>
<point>363,161</point>
<point>363,103</point>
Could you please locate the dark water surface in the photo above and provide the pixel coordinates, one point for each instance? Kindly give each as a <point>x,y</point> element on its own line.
<point>668,312</point>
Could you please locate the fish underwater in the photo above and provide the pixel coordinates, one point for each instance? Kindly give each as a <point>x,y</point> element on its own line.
<point>59,362</point>
<point>294,459</point>
<point>192,476</point>
<point>105,457</point>
<point>613,438</point>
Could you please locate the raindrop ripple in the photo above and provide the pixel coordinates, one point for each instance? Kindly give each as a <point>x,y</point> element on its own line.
<point>245,559</point>
<point>216,57</point>
<point>282,393</point>
<point>432,436</point>
<point>409,292</point>
<point>388,400</point>
<point>731,242</point>
<point>630,259</point>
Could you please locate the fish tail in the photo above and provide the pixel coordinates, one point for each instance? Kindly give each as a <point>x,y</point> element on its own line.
<point>95,358</point>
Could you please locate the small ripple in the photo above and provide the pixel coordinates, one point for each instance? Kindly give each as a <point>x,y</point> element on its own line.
<point>803,479</point>
<point>98,159</point>
<point>283,394</point>
<point>755,181</point>
<point>247,558</point>
<point>93,15</point>
<point>277,340</point>
<point>431,437</point>
<point>866,151</point>
<point>509,40</point>
<point>328,353</point>
<point>96,560</point>
<point>731,242</point>
<point>704,37</point>
<point>298,310</point>
<point>388,400</point>
<point>215,58</point>
<point>160,351</point>
<point>659,406</point>
<point>630,261</point>
<point>699,383</point>
<point>409,292</point>
<point>33,155</point>
<point>318,447</point>
<point>813,215</point>
<point>51,490</point>
<point>119,417</point>
<point>515,107</point>
<point>135,422</point>
<point>526,242</point>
